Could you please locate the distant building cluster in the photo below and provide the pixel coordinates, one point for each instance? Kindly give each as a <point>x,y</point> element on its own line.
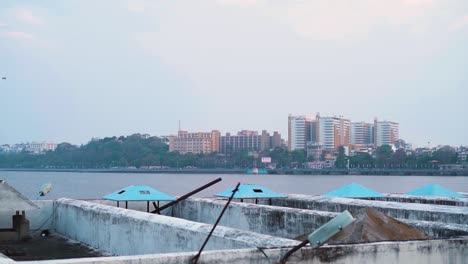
<point>208,142</point>
<point>33,147</point>
<point>195,142</point>
<point>327,133</point>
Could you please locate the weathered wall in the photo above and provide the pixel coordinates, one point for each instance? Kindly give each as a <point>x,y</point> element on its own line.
<point>37,217</point>
<point>425,212</point>
<point>270,220</point>
<point>127,232</point>
<point>283,222</point>
<point>402,198</point>
<point>415,252</point>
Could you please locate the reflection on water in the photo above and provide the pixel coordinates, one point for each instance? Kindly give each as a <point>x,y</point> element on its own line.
<point>96,185</point>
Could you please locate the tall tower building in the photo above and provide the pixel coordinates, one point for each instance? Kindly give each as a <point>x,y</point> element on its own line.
<point>362,133</point>
<point>385,132</point>
<point>333,132</point>
<point>298,132</point>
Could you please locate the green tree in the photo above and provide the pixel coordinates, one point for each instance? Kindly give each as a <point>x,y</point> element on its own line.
<point>361,160</point>
<point>399,158</point>
<point>299,156</point>
<point>445,155</point>
<point>383,155</point>
<point>341,159</point>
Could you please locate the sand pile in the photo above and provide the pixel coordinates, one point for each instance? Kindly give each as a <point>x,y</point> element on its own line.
<point>372,226</point>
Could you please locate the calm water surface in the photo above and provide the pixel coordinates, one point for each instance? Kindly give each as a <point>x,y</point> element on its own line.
<point>96,185</point>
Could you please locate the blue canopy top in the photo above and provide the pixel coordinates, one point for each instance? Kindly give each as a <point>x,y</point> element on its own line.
<point>435,190</point>
<point>138,193</point>
<point>249,191</point>
<point>353,190</point>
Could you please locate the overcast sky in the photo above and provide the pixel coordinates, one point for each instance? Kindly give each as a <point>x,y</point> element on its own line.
<point>79,69</point>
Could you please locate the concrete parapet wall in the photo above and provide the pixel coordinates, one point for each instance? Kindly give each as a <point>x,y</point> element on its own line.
<point>283,221</point>
<point>270,220</point>
<point>425,212</point>
<point>126,232</point>
<point>401,198</point>
<point>437,229</point>
<point>450,251</point>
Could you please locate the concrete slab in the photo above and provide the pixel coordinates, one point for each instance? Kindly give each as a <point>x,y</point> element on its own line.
<point>47,248</point>
<point>424,212</point>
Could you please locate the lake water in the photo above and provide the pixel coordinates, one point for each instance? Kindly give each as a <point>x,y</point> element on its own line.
<point>95,185</point>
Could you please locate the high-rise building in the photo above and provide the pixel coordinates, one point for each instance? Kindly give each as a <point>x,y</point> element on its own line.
<point>276,140</point>
<point>197,142</point>
<point>266,140</point>
<point>333,132</point>
<point>385,132</point>
<point>298,132</point>
<point>245,140</point>
<point>362,133</point>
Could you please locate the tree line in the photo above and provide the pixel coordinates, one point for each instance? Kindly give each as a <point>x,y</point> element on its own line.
<point>139,151</point>
<point>385,157</point>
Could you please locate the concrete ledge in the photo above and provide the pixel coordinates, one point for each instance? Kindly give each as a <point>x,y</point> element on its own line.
<point>424,212</point>
<point>283,221</point>
<point>402,198</point>
<point>126,232</point>
<point>450,251</point>
<point>269,220</point>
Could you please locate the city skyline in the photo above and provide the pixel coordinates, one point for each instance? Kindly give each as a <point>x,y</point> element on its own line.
<point>78,70</point>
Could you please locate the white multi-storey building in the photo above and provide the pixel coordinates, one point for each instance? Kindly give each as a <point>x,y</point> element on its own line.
<point>333,132</point>
<point>385,133</point>
<point>40,147</point>
<point>298,132</point>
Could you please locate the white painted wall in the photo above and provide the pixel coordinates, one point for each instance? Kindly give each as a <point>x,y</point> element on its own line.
<point>126,232</point>
<point>411,211</point>
<point>269,220</point>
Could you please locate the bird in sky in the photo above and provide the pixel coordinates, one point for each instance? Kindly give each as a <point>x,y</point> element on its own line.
<point>3,78</point>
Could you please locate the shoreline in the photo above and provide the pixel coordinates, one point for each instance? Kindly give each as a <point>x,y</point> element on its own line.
<point>344,172</point>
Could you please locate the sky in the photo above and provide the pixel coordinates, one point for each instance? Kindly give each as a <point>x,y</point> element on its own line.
<point>81,69</point>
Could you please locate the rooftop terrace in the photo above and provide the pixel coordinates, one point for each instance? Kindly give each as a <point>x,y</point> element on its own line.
<point>247,233</point>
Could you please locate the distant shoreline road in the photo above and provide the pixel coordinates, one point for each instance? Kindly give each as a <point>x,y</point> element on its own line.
<point>155,171</point>
<point>363,172</point>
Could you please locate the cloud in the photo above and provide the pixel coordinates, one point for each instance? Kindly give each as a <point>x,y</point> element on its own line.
<point>242,3</point>
<point>27,38</point>
<point>27,16</point>
<point>459,24</point>
<point>136,6</point>
<point>336,20</point>
<point>19,35</point>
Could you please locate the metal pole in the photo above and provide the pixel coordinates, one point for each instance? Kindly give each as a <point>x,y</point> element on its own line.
<point>196,257</point>
<point>147,206</point>
<point>185,196</point>
<point>126,204</point>
<point>156,206</point>
<point>294,249</point>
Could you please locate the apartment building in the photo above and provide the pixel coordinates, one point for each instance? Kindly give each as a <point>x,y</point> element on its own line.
<point>195,142</point>
<point>298,132</point>
<point>362,134</point>
<point>385,133</point>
